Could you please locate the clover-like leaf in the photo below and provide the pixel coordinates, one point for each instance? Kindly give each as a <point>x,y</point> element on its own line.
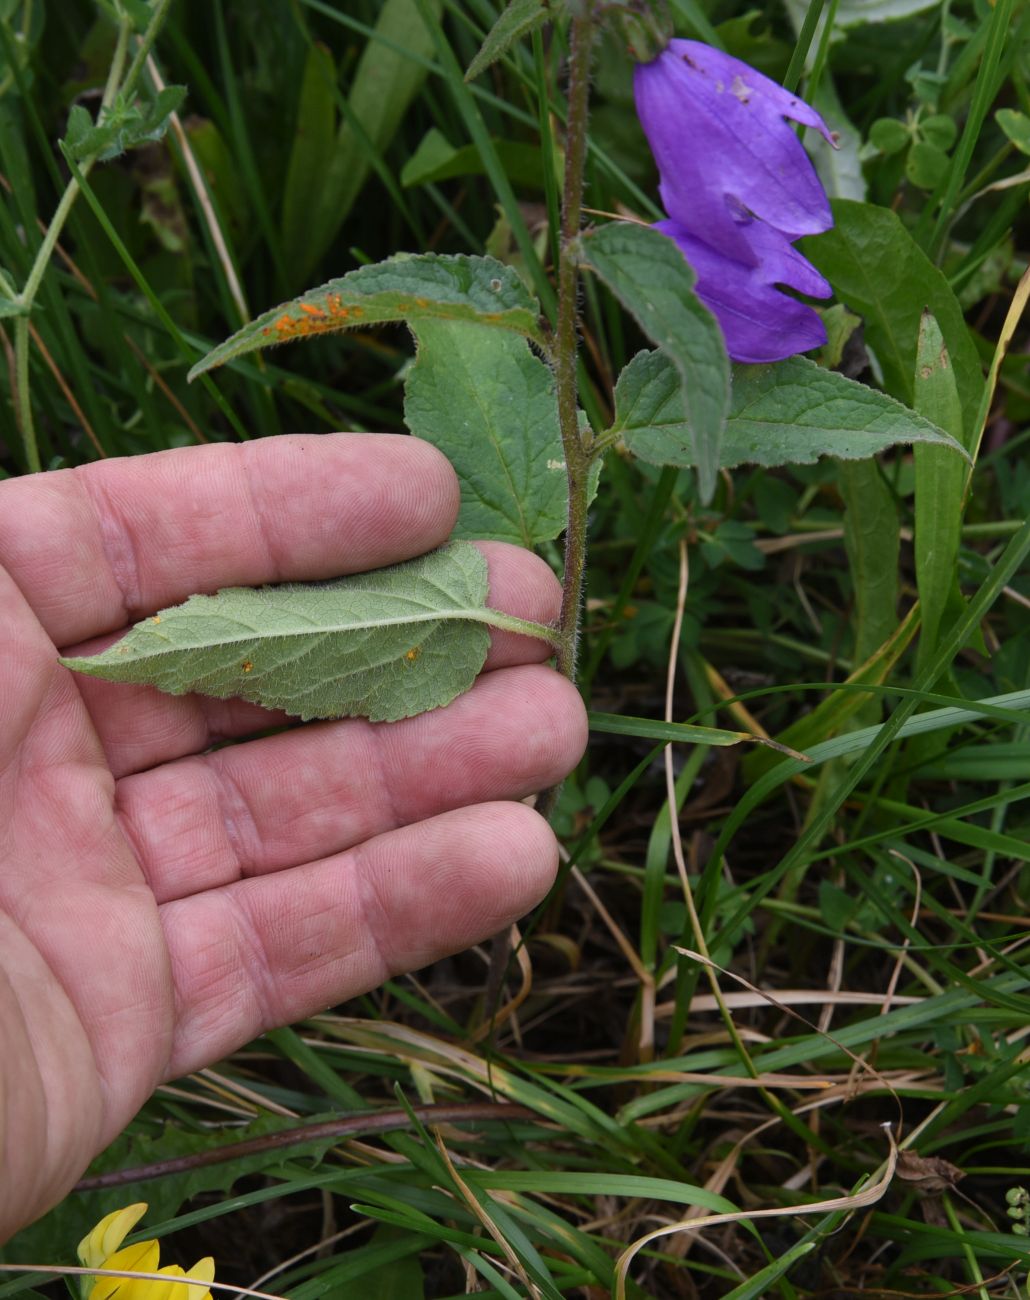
<point>383,645</point>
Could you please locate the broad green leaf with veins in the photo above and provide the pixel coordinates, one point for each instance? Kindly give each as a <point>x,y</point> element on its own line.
<point>423,287</point>
<point>382,645</point>
<point>788,413</point>
<point>489,404</point>
<point>652,279</point>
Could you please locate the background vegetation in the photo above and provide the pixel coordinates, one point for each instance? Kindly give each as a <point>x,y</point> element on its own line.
<point>876,893</point>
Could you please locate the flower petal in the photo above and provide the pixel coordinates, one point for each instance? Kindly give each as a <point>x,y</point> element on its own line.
<point>109,1233</point>
<point>723,149</point>
<point>141,1257</point>
<point>759,323</point>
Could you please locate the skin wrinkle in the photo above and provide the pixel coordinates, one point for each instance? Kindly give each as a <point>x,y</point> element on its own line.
<point>250,481</point>
<point>116,543</point>
<point>377,920</point>
<point>199,1019</point>
<point>238,819</point>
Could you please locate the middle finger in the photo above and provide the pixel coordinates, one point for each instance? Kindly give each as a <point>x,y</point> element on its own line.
<point>273,803</point>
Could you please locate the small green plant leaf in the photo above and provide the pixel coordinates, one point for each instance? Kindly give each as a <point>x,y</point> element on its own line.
<point>382,645</point>
<point>652,279</point>
<point>436,159</point>
<point>1016,126</point>
<point>518,19</point>
<point>939,129</point>
<point>940,486</point>
<point>788,413</point>
<point>926,165</point>
<point>889,135</point>
<point>124,126</point>
<point>489,404</point>
<point>413,288</point>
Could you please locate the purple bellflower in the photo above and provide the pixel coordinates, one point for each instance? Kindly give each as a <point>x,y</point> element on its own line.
<point>739,189</point>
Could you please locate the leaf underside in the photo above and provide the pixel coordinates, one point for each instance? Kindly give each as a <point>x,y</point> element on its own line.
<point>383,645</point>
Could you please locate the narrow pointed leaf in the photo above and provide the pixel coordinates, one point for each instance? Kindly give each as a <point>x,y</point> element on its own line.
<point>518,19</point>
<point>788,413</point>
<point>423,287</point>
<point>940,486</point>
<point>314,138</point>
<point>653,281</point>
<point>382,645</point>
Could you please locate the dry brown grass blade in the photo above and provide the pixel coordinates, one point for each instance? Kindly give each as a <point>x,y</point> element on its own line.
<point>770,998</point>
<point>869,1195</point>
<point>514,1263</point>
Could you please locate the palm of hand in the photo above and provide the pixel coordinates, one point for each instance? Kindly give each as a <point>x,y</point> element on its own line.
<point>160,903</point>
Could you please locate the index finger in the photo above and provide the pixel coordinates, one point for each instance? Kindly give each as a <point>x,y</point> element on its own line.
<point>96,547</point>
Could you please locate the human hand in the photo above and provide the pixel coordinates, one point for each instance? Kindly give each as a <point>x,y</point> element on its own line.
<point>162,904</point>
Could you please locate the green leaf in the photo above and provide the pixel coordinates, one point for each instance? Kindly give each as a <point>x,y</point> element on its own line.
<point>652,279</point>
<point>518,19</point>
<point>1016,126</point>
<point>124,126</point>
<point>314,140</point>
<point>616,724</point>
<point>926,165</point>
<point>889,135</point>
<point>389,75</point>
<point>940,486</point>
<point>788,413</point>
<point>761,1283</point>
<point>860,13</point>
<point>878,270</point>
<point>383,645</point>
<point>872,539</point>
<point>939,129</point>
<point>436,159</point>
<point>405,287</point>
<point>489,404</point>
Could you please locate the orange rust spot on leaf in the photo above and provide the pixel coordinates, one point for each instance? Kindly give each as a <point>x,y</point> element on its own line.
<point>247,666</point>
<point>156,618</point>
<point>413,653</point>
<point>312,310</point>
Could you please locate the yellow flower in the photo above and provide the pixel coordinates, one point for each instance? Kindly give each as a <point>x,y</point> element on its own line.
<point>100,1250</point>
<point>108,1235</point>
<point>140,1258</point>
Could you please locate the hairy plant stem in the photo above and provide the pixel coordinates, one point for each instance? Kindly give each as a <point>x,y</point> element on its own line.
<point>575,442</point>
<point>114,86</point>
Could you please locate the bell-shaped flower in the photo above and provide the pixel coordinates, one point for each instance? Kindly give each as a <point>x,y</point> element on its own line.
<point>739,189</point>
